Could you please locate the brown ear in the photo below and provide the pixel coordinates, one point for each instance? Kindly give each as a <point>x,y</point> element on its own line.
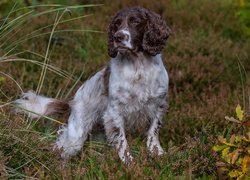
<point>111,48</point>
<point>156,34</point>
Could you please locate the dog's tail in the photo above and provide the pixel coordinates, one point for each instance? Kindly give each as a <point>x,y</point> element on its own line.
<point>36,105</point>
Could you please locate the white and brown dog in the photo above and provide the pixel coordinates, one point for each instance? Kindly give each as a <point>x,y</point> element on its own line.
<point>131,90</point>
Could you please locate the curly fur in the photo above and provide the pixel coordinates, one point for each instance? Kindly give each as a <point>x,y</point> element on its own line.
<point>130,91</point>
<point>153,35</point>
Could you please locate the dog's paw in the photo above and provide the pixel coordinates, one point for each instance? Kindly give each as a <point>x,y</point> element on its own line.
<point>156,149</point>
<point>126,157</point>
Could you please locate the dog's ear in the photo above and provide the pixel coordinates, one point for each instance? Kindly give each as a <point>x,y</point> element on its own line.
<point>111,31</point>
<point>155,35</point>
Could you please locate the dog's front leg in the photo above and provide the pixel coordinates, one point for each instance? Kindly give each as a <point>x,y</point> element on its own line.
<point>153,142</point>
<point>115,132</point>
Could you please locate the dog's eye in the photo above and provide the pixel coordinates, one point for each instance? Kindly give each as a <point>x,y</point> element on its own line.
<point>133,20</point>
<point>118,22</point>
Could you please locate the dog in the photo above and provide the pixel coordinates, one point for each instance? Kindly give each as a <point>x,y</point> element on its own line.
<point>131,90</point>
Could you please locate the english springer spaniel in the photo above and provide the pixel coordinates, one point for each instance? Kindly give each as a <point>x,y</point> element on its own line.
<point>130,91</point>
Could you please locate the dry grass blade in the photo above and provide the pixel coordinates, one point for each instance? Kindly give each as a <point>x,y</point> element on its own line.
<point>7,75</point>
<point>33,33</point>
<point>45,64</point>
<point>18,42</point>
<point>56,70</point>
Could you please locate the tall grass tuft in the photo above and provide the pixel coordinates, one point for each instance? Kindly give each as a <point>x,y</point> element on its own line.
<point>25,152</point>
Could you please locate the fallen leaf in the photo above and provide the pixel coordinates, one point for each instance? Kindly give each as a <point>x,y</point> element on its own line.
<point>221,164</point>
<point>232,119</point>
<point>239,112</point>
<point>219,147</point>
<point>234,174</point>
<point>235,155</point>
<point>245,161</point>
<point>232,138</point>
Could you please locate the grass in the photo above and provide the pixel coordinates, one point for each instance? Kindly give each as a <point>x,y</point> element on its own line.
<point>54,48</point>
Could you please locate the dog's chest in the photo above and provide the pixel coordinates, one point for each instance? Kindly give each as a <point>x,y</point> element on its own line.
<point>135,85</point>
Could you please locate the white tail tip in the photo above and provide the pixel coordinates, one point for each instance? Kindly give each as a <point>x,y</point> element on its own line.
<point>32,104</point>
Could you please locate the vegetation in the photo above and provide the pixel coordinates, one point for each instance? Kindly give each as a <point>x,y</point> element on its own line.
<point>53,48</point>
<point>235,152</point>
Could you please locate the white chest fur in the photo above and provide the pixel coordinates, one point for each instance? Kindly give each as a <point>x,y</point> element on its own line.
<point>135,82</point>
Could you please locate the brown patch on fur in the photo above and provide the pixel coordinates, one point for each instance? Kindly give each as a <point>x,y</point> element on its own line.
<point>120,145</point>
<point>58,107</point>
<point>105,79</point>
<point>114,133</point>
<point>156,34</point>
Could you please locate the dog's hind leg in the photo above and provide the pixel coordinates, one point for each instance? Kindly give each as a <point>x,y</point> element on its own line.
<point>72,137</point>
<point>86,109</point>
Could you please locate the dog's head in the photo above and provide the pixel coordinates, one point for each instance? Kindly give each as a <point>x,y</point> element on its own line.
<point>137,29</point>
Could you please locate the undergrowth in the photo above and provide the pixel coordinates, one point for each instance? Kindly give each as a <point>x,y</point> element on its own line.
<point>235,148</point>
<point>53,48</point>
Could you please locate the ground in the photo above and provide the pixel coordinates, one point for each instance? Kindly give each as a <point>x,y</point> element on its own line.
<point>207,58</point>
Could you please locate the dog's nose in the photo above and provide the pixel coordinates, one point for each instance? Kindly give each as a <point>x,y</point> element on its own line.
<point>120,36</point>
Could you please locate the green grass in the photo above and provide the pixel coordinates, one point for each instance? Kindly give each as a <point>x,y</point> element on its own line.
<point>54,48</point>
